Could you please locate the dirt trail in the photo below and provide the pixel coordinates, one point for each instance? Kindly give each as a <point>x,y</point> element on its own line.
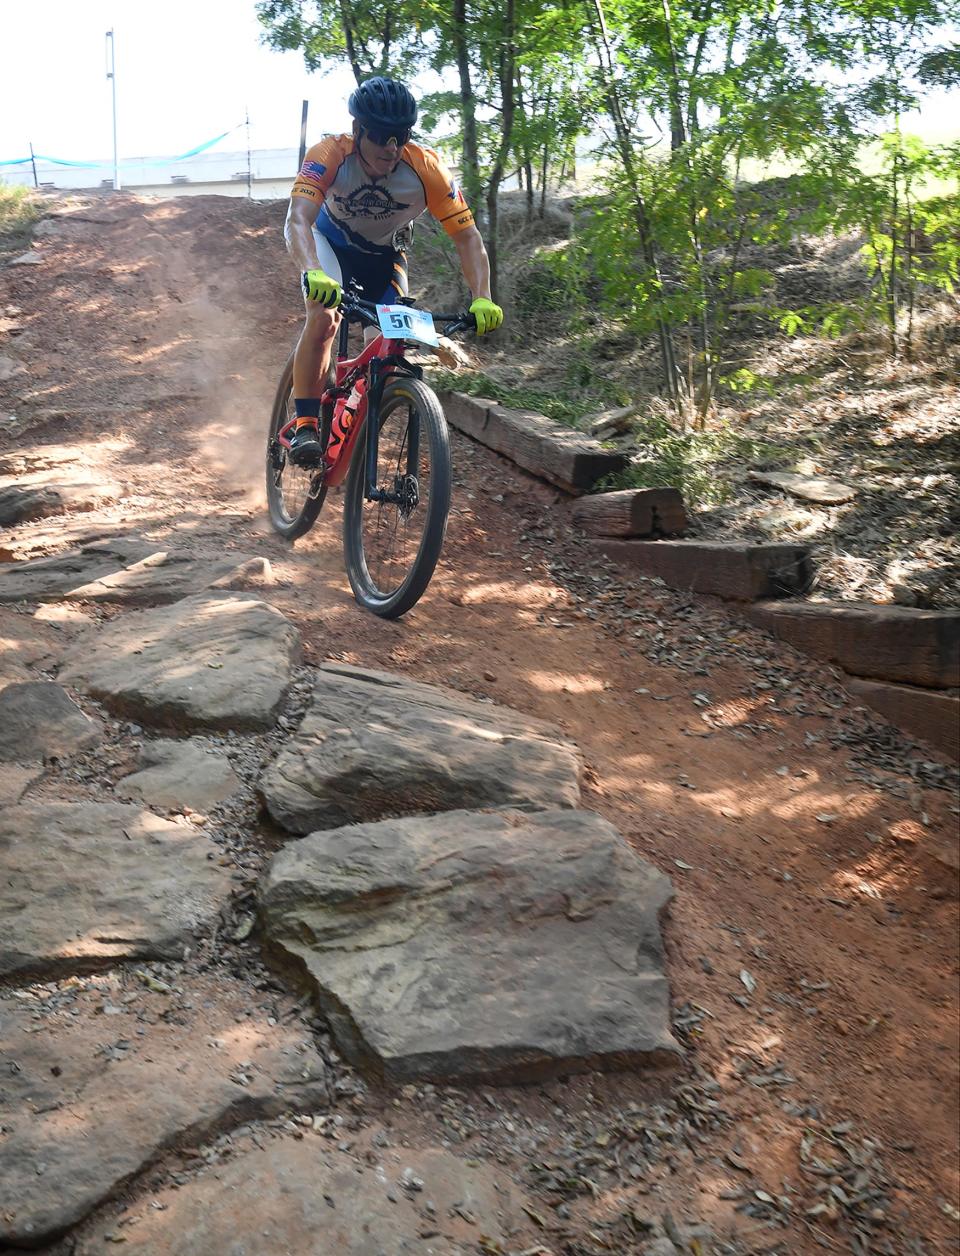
<point>813,937</point>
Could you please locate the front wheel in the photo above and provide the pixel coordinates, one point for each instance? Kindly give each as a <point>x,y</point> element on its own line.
<point>391,544</point>
<point>294,494</point>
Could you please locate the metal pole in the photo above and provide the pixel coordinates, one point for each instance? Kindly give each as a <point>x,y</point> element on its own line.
<point>112,76</point>
<point>249,169</point>
<point>303,135</point>
<point>33,162</point>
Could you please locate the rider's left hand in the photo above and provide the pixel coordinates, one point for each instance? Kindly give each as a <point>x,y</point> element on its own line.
<point>488,315</point>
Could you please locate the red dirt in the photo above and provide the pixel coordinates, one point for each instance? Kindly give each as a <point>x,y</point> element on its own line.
<point>158,333</point>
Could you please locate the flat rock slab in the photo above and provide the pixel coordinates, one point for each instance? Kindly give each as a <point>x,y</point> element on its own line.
<point>180,774</point>
<point>9,367</point>
<point>19,503</point>
<point>87,884</point>
<point>567,458</point>
<point>26,644</point>
<point>374,745</point>
<point>311,1198</point>
<point>809,488</point>
<point>503,945</point>
<point>91,1102</point>
<point>632,512</point>
<point>14,780</point>
<point>39,719</point>
<point>219,661</point>
<point>929,714</point>
<point>48,579</point>
<point>738,571</point>
<point>42,458</point>
<point>895,643</point>
<point>166,577</point>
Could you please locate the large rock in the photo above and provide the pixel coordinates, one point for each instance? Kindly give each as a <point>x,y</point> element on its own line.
<point>312,1198</point>
<point>85,884</point>
<point>25,645</point>
<point>20,503</point>
<point>180,774</point>
<point>167,577</point>
<point>91,1102</point>
<point>375,745</point>
<point>206,662</point>
<point>28,461</point>
<point>14,781</point>
<point>809,488</point>
<point>46,579</point>
<point>38,720</point>
<point>505,945</point>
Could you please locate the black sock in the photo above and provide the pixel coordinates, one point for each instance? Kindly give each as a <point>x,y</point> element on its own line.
<point>307,408</point>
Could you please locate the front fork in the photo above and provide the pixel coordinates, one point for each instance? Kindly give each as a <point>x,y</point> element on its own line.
<point>379,372</point>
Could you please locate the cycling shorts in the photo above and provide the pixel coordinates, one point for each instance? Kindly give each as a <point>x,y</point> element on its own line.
<point>383,276</point>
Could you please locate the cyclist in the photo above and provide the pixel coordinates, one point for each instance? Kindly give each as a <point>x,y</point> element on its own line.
<point>354,196</point>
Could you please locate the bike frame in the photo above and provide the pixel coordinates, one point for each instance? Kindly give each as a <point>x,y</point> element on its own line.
<point>380,359</point>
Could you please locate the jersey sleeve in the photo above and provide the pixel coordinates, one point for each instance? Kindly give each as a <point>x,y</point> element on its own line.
<point>445,201</point>
<point>320,166</point>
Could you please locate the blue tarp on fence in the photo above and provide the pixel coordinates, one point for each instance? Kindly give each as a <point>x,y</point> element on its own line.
<point>127,161</point>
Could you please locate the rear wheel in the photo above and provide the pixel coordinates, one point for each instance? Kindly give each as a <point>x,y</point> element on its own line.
<point>294,494</point>
<point>391,545</point>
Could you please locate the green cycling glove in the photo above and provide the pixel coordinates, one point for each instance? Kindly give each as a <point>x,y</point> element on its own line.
<point>318,286</point>
<point>488,316</point>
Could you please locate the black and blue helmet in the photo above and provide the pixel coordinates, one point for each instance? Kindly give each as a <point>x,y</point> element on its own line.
<point>382,104</point>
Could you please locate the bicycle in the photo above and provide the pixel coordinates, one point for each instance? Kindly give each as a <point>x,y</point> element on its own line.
<point>397,495</point>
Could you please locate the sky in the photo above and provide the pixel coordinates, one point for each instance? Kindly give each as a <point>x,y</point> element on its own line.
<point>187,70</point>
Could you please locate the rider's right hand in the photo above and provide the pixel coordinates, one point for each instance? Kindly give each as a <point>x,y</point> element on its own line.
<point>318,286</point>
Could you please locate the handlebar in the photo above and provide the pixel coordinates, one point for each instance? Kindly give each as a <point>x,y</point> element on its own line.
<point>355,309</point>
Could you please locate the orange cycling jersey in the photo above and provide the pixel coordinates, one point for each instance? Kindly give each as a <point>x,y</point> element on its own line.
<point>358,211</point>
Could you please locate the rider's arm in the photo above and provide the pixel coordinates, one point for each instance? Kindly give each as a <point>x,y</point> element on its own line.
<point>298,232</point>
<point>314,180</point>
<point>474,261</point>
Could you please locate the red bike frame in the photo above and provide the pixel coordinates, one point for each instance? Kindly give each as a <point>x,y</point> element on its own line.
<point>347,367</point>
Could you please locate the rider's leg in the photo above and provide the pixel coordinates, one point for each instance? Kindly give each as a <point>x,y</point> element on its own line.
<point>311,361</point>
<point>311,364</point>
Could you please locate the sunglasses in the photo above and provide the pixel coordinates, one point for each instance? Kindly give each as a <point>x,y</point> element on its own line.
<point>383,138</point>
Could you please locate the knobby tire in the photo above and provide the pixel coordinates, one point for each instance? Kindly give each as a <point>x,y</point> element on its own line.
<point>294,512</point>
<point>413,539</point>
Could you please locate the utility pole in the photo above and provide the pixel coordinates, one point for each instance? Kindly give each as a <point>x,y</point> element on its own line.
<point>33,162</point>
<point>112,76</point>
<point>249,163</point>
<point>303,135</point>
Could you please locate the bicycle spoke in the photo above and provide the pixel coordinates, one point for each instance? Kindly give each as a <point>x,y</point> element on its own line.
<point>294,494</point>
<point>392,528</point>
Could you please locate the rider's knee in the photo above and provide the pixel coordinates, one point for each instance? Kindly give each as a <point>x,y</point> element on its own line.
<point>321,323</point>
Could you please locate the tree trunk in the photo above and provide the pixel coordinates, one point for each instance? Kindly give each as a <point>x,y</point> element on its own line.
<point>892,294</point>
<point>470,165</point>
<point>346,17</point>
<point>678,135</point>
<point>673,379</point>
<point>545,159</point>
<point>507,76</point>
<point>524,157</point>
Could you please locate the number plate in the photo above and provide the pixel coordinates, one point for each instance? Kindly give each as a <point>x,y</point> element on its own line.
<point>403,322</point>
